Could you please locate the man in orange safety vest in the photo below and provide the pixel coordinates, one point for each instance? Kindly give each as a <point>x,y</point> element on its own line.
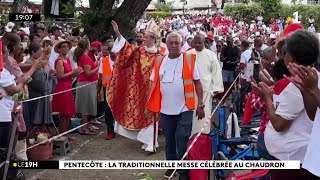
<point>176,81</point>
<point>105,73</point>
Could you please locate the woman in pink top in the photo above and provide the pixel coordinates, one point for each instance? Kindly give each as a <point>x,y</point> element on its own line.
<point>86,97</point>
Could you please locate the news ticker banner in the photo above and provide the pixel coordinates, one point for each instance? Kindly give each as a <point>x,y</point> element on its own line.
<point>97,164</point>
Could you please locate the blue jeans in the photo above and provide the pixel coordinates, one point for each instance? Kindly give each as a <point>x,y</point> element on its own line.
<point>228,76</point>
<point>177,130</point>
<point>262,150</point>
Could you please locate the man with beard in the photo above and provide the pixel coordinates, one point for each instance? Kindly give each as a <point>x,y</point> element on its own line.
<point>139,38</point>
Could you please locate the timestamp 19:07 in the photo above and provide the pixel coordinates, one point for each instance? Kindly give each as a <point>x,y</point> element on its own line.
<point>24,17</point>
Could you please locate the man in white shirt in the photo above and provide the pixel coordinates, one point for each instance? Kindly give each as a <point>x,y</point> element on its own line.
<point>210,77</point>
<point>244,59</point>
<point>176,104</point>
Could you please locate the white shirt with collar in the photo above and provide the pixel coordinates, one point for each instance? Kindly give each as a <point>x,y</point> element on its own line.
<point>171,84</point>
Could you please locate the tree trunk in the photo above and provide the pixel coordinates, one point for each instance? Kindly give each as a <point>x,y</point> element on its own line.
<point>128,15</point>
<point>97,20</point>
<point>18,4</point>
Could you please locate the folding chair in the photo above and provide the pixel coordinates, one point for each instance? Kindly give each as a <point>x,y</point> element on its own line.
<point>227,148</point>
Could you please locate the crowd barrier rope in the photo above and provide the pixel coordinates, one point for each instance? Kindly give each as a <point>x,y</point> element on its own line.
<point>206,123</point>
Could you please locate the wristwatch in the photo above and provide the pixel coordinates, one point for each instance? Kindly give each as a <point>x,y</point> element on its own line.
<point>201,106</point>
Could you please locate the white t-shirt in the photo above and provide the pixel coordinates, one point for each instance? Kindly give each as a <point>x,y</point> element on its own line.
<point>245,57</point>
<point>53,57</point>
<point>312,158</point>
<point>70,56</point>
<point>6,104</point>
<point>292,143</point>
<point>171,85</point>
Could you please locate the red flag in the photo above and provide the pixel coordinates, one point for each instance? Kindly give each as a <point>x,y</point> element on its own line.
<point>1,57</point>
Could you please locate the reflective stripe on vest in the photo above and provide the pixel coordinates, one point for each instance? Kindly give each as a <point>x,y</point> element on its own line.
<point>154,103</point>
<point>106,71</point>
<point>187,74</point>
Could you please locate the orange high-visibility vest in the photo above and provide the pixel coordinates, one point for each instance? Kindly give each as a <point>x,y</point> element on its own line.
<point>154,103</point>
<point>106,71</point>
<point>163,50</point>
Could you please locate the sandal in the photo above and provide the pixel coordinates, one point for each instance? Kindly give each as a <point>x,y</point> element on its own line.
<point>91,129</point>
<point>86,132</point>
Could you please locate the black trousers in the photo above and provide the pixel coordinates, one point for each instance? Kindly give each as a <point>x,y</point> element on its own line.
<point>108,116</point>
<point>5,133</point>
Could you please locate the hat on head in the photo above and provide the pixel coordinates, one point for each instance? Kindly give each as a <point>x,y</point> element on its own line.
<point>291,28</point>
<point>210,36</point>
<point>46,38</point>
<point>96,44</point>
<point>153,29</point>
<point>21,33</point>
<point>58,45</point>
<point>10,25</point>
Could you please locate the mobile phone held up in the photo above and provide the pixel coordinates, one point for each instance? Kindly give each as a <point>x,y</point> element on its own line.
<point>253,68</point>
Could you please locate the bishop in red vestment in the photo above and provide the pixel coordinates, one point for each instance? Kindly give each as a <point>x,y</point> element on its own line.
<point>129,87</point>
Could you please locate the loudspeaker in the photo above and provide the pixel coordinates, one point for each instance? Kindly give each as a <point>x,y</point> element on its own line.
<point>48,5</point>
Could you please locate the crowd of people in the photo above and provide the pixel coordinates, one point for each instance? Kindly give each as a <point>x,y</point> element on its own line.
<point>141,85</point>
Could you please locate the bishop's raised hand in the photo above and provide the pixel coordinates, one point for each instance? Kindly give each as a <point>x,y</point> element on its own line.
<point>116,28</point>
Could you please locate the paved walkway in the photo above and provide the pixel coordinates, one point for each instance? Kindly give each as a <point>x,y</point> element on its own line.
<point>97,148</point>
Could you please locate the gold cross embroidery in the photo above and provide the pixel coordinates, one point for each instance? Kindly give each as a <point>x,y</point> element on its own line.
<point>145,62</point>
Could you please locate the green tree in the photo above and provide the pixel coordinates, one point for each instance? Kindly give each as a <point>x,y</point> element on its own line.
<point>164,6</point>
<point>270,8</point>
<point>96,20</point>
<point>18,4</point>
